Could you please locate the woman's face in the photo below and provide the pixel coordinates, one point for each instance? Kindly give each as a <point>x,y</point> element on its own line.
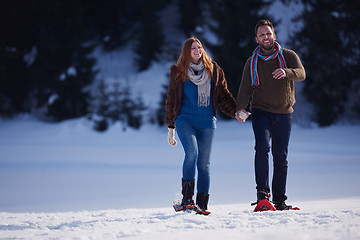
<point>196,52</point>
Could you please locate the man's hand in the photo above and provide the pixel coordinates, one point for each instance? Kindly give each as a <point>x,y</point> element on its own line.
<point>171,137</point>
<point>279,73</point>
<point>242,115</point>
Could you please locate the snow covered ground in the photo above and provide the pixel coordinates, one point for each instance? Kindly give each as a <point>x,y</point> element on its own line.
<point>330,219</point>
<point>66,181</point>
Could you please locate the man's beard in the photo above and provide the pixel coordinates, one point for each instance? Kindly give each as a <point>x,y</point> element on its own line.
<point>268,46</point>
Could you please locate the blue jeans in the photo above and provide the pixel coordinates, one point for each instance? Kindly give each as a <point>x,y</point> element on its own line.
<point>276,127</point>
<point>197,144</point>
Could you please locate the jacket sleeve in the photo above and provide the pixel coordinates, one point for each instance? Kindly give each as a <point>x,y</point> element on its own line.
<point>295,71</point>
<point>245,88</point>
<point>226,100</point>
<point>170,101</point>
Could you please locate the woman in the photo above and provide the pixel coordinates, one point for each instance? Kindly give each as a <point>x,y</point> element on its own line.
<point>196,90</point>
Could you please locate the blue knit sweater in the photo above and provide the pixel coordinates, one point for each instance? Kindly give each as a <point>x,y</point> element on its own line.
<point>201,117</point>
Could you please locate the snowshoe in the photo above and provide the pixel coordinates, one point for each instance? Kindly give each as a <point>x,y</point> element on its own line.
<point>264,205</point>
<point>202,211</point>
<point>263,202</point>
<point>282,206</point>
<point>183,206</point>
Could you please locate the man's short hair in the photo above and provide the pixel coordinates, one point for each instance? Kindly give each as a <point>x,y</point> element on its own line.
<point>263,23</point>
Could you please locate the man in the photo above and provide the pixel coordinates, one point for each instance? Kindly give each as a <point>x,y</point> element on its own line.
<point>267,90</point>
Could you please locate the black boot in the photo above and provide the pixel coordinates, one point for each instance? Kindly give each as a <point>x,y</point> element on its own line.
<point>262,195</point>
<point>280,206</point>
<point>202,200</point>
<point>188,192</point>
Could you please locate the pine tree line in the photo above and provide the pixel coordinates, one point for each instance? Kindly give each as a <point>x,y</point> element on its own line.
<point>329,46</point>
<point>46,66</point>
<point>113,104</point>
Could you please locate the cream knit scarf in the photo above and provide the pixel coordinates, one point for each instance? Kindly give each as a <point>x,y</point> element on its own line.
<point>202,80</point>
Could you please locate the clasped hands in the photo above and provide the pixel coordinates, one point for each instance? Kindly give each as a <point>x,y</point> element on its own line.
<point>242,115</point>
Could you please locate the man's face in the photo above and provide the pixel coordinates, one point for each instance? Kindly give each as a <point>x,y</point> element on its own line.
<point>265,37</point>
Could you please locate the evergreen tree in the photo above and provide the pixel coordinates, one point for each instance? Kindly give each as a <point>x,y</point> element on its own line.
<point>190,15</point>
<point>100,108</point>
<point>116,104</point>
<point>234,29</point>
<point>18,21</point>
<point>150,37</point>
<point>131,109</point>
<point>63,65</point>
<point>329,47</point>
<point>111,22</point>
<point>161,111</point>
<point>48,48</point>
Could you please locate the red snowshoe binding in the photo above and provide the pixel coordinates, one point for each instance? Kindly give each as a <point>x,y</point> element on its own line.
<point>182,206</point>
<point>263,203</point>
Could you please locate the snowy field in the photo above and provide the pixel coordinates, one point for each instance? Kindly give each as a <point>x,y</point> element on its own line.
<point>66,181</point>
<point>330,219</point>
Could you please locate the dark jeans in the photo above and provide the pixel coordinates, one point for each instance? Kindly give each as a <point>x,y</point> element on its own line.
<point>197,144</point>
<point>276,127</point>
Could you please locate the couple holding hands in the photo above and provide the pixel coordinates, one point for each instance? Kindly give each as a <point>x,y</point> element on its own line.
<point>198,88</point>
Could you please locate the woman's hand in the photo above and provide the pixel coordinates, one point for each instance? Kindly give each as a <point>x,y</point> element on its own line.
<point>171,137</point>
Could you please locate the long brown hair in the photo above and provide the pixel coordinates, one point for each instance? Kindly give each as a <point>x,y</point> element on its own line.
<point>185,58</point>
